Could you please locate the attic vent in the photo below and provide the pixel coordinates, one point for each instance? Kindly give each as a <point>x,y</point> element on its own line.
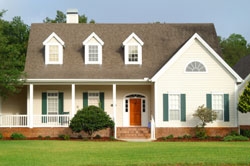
<point>72,16</point>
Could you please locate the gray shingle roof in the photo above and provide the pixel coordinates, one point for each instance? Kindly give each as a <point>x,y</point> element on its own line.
<point>161,41</point>
<point>242,67</point>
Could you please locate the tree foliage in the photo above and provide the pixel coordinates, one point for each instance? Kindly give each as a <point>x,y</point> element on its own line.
<point>233,48</point>
<point>244,101</point>
<point>91,119</point>
<point>205,115</point>
<point>61,18</point>
<point>13,46</point>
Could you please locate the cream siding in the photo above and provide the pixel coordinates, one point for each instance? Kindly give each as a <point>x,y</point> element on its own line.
<point>195,85</point>
<point>15,105</point>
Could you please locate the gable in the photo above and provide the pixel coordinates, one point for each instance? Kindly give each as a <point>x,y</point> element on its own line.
<point>196,49</point>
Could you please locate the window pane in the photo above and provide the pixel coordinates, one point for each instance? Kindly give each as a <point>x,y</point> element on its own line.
<point>52,103</point>
<point>195,66</point>
<point>218,105</point>
<point>174,106</point>
<point>93,53</point>
<point>53,53</point>
<point>93,98</point>
<point>133,53</point>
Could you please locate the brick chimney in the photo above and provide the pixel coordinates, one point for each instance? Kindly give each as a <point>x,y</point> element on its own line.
<point>72,16</point>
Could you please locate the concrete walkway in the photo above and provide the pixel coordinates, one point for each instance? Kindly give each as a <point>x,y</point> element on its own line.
<point>137,140</point>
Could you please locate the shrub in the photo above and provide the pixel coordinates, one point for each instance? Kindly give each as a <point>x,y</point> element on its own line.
<point>205,115</point>
<point>235,138</point>
<point>170,136</point>
<point>91,119</point>
<point>17,136</point>
<point>200,132</point>
<point>98,136</point>
<point>40,137</point>
<point>1,136</point>
<point>47,137</point>
<point>187,136</point>
<point>245,133</point>
<point>112,138</point>
<point>66,137</point>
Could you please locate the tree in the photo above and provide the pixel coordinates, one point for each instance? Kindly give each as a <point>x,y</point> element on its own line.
<point>61,18</point>
<point>244,101</point>
<point>233,48</point>
<point>91,119</point>
<point>206,116</point>
<point>13,47</point>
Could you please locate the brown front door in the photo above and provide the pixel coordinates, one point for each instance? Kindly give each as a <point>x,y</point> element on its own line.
<point>135,112</point>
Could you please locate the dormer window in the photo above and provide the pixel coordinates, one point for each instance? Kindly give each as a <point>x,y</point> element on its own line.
<point>133,49</point>
<point>93,49</point>
<point>53,49</point>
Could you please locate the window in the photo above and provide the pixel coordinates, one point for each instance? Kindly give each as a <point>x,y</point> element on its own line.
<point>93,49</point>
<point>52,103</point>
<point>93,98</point>
<point>53,53</point>
<point>174,106</point>
<point>93,53</point>
<point>195,66</point>
<point>133,53</point>
<point>133,49</point>
<point>218,105</point>
<point>53,49</point>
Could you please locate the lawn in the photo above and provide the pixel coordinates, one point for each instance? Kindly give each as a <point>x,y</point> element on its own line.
<point>77,153</point>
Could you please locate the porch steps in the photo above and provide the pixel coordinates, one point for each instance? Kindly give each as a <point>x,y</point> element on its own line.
<point>133,133</point>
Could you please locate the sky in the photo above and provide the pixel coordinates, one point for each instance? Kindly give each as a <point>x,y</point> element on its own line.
<point>228,16</point>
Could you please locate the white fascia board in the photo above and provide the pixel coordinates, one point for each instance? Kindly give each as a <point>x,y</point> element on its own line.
<point>93,35</point>
<point>133,35</point>
<point>84,81</point>
<point>55,36</point>
<point>244,83</point>
<point>185,47</point>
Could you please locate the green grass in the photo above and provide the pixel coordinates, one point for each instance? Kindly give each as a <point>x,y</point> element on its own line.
<point>77,153</point>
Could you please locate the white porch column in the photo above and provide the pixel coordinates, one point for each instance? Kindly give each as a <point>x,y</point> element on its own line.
<point>31,106</point>
<point>73,100</point>
<point>114,108</point>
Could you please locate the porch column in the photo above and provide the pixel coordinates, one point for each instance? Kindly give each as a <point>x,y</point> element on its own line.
<point>114,108</point>
<point>31,106</point>
<point>73,100</point>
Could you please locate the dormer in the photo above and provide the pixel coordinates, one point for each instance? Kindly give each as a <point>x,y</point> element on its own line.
<point>93,49</point>
<point>53,49</point>
<point>133,49</point>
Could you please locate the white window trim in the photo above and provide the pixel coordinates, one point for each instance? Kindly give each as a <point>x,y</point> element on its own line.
<point>99,47</point>
<point>179,94</point>
<point>126,51</point>
<point>86,44</point>
<point>60,45</point>
<point>139,45</point>
<point>48,101</point>
<point>60,54</point>
<point>212,94</point>
<point>190,72</point>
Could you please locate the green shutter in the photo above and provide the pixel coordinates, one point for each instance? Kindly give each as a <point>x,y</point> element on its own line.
<point>226,107</point>
<point>183,107</point>
<point>101,96</point>
<point>209,101</point>
<point>165,107</point>
<point>60,103</point>
<point>44,106</point>
<point>85,99</point>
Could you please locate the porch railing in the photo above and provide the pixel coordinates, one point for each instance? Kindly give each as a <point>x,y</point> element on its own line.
<point>51,120</point>
<point>13,121</point>
<point>38,120</point>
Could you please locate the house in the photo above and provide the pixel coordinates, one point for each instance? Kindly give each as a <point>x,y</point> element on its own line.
<point>242,67</point>
<point>150,78</point>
